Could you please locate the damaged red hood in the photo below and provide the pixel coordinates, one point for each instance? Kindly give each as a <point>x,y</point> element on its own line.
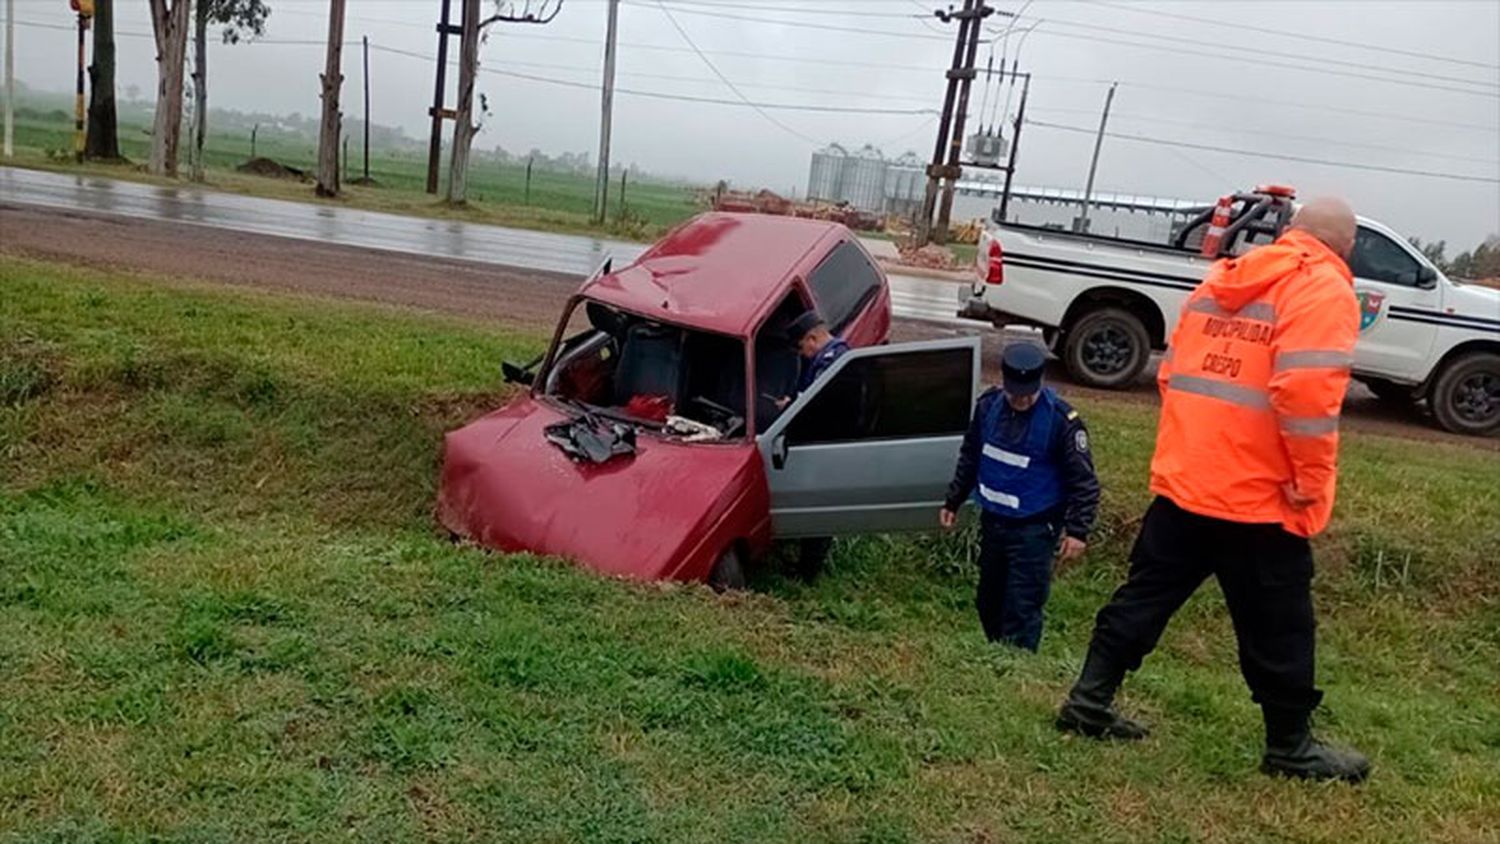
<point>660,513</point>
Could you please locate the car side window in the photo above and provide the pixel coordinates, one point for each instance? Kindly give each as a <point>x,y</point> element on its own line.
<point>890,396</point>
<point>842,283</point>
<point>1378,258</point>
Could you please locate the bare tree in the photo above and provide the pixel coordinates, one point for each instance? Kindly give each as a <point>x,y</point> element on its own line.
<point>464,129</point>
<point>241,19</point>
<point>103,133</point>
<point>333,80</point>
<point>169,23</point>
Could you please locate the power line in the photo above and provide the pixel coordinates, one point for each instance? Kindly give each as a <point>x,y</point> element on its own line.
<point>1461,177</point>
<point>798,24</point>
<point>1167,121</point>
<point>1240,26</point>
<point>1261,51</point>
<point>1269,63</point>
<point>1098,39</point>
<point>711,66</point>
<point>667,95</point>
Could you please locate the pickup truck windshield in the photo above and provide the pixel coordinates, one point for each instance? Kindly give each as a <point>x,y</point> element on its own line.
<point>651,373</point>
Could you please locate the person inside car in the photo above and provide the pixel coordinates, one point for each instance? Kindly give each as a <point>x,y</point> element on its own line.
<point>818,347</point>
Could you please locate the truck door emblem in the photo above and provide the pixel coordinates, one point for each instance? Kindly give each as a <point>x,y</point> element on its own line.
<point>1370,302</point>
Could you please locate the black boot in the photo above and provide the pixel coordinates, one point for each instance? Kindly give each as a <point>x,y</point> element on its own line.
<point>1292,751</point>
<point>1089,709</point>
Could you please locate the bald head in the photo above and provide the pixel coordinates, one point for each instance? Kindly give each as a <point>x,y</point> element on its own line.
<point>1330,220</point>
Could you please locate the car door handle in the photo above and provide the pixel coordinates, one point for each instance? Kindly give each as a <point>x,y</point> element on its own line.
<point>778,452</point>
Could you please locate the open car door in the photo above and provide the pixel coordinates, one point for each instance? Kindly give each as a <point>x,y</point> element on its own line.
<point>871,446</point>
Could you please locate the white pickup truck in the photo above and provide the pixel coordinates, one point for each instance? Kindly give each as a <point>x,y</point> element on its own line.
<point>1104,304</point>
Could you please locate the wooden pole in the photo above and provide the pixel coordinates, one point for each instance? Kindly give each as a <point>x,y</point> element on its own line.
<point>333,80</point>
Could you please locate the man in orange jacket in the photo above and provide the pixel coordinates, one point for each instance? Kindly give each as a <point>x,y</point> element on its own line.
<point>1244,472</point>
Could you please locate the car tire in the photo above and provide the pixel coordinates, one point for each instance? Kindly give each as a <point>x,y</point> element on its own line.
<point>728,572</point>
<point>1390,392</point>
<point>811,555</point>
<point>1106,348</point>
<point>1466,396</point>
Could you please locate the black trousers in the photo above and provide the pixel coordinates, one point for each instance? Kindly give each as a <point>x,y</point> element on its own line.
<point>1266,575</point>
<point>1015,576</point>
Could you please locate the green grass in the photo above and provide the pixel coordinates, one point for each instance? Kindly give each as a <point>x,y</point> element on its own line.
<point>225,615</point>
<point>557,201</point>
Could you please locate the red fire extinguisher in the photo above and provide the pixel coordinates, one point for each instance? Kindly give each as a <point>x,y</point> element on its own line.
<point>1214,239</point>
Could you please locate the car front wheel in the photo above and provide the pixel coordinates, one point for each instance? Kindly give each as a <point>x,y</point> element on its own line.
<point>1466,396</point>
<point>1107,348</point>
<point>728,571</point>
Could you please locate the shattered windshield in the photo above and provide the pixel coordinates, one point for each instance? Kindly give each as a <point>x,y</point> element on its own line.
<point>683,383</point>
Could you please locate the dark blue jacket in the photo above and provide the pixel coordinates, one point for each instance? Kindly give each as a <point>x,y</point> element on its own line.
<point>819,363</point>
<point>1071,453</point>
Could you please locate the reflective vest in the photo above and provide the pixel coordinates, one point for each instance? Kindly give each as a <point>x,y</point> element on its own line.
<point>1019,478</point>
<point>1252,384</point>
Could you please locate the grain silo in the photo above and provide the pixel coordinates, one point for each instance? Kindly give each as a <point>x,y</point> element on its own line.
<point>864,179</point>
<point>905,184</point>
<point>827,174</point>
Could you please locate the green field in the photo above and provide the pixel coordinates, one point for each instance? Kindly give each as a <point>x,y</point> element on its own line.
<point>561,201</point>
<point>225,614</point>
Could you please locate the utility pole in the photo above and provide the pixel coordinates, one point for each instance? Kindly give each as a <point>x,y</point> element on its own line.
<point>10,78</point>
<point>435,145</point>
<point>463,121</point>
<point>944,169</point>
<point>366,41</point>
<point>955,146</point>
<point>1015,144</point>
<point>333,80</point>
<point>78,108</point>
<point>1082,223</point>
<point>606,106</point>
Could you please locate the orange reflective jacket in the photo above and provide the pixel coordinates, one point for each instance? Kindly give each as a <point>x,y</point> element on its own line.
<point>1252,385</point>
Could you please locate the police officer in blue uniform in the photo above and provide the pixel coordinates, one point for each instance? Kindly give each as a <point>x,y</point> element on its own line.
<point>1026,462</point>
<point>818,347</point>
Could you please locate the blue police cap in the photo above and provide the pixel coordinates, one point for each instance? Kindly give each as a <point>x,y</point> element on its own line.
<point>1021,364</point>
<point>803,325</point>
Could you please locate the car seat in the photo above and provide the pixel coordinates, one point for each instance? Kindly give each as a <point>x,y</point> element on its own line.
<point>650,363</point>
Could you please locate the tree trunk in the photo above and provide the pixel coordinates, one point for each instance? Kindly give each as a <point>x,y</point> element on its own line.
<point>170,26</point>
<point>200,84</point>
<point>103,134</point>
<point>463,124</point>
<point>333,79</point>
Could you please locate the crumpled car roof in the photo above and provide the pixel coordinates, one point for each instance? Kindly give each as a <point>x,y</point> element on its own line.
<point>718,272</point>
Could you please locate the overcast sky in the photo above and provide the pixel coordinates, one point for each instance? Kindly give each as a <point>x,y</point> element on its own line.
<point>1434,104</point>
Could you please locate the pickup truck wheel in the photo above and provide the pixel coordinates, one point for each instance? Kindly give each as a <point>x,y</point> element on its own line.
<point>728,572</point>
<point>1107,348</point>
<point>1466,397</point>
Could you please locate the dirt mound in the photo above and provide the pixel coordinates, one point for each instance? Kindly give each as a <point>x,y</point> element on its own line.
<point>262,166</point>
<point>931,256</point>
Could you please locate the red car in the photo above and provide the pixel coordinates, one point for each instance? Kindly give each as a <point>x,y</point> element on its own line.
<point>650,444</point>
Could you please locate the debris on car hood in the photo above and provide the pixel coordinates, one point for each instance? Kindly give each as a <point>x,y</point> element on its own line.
<point>590,439</point>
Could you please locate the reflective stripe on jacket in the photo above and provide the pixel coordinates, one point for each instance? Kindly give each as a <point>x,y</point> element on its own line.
<point>1252,385</point>
<point>1019,477</point>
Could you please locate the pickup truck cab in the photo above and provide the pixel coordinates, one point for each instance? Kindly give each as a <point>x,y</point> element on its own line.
<point>649,442</point>
<point>1104,304</point>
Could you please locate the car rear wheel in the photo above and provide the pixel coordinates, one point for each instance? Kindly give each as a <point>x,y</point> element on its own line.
<point>811,555</point>
<point>728,571</point>
<point>1466,397</point>
<point>1107,348</point>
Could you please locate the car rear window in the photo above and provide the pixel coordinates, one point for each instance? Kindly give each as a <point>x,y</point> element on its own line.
<point>843,283</point>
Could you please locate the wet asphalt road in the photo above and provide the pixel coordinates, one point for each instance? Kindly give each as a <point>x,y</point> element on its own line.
<point>576,255</point>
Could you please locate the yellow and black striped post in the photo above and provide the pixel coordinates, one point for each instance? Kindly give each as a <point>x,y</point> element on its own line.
<point>78,112</point>
<point>85,9</point>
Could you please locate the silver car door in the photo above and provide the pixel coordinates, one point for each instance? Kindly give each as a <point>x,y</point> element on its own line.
<point>870,447</point>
